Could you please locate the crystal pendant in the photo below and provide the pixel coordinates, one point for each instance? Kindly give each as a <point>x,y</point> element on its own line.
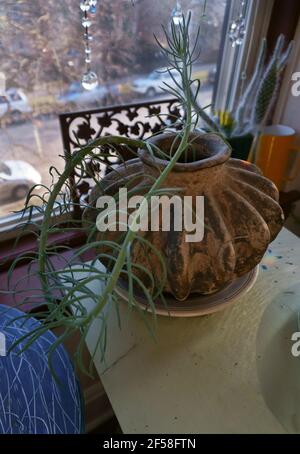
<point>177,15</point>
<point>237,30</point>
<point>88,37</point>
<point>88,59</point>
<point>85,6</point>
<point>86,22</point>
<point>93,2</point>
<point>89,80</point>
<point>87,50</point>
<point>93,9</point>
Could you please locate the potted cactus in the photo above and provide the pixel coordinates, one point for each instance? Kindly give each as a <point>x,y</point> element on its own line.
<point>255,103</point>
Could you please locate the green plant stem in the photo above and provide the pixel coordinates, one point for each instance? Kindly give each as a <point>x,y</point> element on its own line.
<point>181,50</point>
<point>114,276</point>
<point>206,118</point>
<point>70,165</point>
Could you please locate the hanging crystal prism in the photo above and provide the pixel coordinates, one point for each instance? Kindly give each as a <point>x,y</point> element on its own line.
<point>177,14</point>
<point>93,6</point>
<point>89,79</point>
<point>237,31</point>
<point>86,22</point>
<point>237,28</point>
<point>85,5</point>
<point>88,37</point>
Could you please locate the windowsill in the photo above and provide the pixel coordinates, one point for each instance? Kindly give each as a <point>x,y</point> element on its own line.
<point>10,250</point>
<point>22,282</point>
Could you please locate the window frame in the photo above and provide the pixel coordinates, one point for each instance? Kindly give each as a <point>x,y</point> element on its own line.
<point>234,61</point>
<point>259,13</point>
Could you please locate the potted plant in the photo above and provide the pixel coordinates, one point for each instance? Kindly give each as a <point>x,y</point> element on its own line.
<point>241,217</point>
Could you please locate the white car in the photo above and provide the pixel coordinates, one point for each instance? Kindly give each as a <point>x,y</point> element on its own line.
<point>153,84</point>
<point>81,97</point>
<point>16,178</point>
<point>15,103</point>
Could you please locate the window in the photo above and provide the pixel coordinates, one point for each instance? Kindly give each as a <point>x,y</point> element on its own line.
<point>236,63</point>
<point>42,60</point>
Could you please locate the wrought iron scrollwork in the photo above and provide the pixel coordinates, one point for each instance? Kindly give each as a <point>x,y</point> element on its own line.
<point>137,121</point>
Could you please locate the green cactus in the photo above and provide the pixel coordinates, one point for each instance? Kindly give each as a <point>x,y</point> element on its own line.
<point>266,93</point>
<point>263,89</point>
<point>250,90</point>
<point>269,86</point>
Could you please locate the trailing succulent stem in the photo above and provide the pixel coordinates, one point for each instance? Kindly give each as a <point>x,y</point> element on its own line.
<point>64,290</point>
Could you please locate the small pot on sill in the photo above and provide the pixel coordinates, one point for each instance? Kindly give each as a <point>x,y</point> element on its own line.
<point>242,216</point>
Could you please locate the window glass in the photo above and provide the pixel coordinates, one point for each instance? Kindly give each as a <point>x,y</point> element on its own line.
<point>42,61</point>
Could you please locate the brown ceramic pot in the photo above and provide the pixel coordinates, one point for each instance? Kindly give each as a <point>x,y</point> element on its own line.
<point>242,215</point>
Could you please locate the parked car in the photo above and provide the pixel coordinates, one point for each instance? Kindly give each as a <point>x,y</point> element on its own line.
<point>76,94</point>
<point>16,178</point>
<point>153,84</point>
<point>14,102</point>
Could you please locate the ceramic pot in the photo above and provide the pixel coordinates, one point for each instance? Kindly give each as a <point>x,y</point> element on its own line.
<point>242,215</point>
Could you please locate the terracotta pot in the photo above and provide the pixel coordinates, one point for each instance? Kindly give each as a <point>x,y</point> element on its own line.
<point>242,216</point>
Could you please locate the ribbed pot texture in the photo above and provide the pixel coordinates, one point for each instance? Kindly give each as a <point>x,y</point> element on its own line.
<point>242,215</point>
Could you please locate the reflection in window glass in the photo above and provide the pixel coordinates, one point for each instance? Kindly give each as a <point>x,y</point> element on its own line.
<point>42,59</point>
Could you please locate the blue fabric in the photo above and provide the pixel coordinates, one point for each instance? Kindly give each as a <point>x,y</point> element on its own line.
<point>31,400</point>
